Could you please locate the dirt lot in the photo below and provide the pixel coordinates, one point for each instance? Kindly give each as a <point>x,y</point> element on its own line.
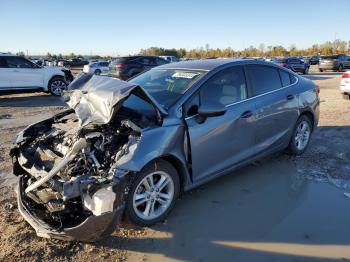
<point>280,208</point>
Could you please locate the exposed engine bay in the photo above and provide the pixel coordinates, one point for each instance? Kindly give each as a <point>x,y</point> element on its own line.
<point>68,170</point>
<point>71,169</point>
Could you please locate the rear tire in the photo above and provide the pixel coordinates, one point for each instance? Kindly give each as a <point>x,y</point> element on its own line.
<point>306,71</point>
<point>321,70</point>
<point>148,189</point>
<point>340,68</point>
<point>57,85</point>
<point>301,136</point>
<point>97,72</point>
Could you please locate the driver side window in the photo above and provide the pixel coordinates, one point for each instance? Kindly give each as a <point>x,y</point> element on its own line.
<point>226,87</point>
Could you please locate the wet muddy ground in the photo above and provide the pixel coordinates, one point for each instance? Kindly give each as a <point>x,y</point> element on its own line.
<point>280,208</point>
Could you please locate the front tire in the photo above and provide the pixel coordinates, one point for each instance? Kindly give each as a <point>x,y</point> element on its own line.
<point>98,72</point>
<point>321,70</point>
<point>153,194</point>
<point>56,85</point>
<point>306,71</point>
<point>301,136</point>
<point>340,68</point>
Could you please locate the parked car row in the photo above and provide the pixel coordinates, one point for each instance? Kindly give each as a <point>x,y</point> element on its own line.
<point>294,64</point>
<point>302,64</point>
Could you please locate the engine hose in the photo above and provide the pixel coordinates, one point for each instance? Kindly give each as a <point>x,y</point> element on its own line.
<point>77,147</point>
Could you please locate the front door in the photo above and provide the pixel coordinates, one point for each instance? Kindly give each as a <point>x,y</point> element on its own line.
<point>221,141</point>
<point>23,73</point>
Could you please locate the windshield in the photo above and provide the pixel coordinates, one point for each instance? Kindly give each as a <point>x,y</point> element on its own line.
<point>166,86</point>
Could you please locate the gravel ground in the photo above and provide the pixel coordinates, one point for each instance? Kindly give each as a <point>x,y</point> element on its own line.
<point>327,160</point>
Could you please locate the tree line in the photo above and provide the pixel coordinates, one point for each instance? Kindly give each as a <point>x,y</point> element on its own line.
<point>328,48</point>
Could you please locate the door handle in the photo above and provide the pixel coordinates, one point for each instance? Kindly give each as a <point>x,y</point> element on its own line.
<point>247,114</point>
<point>290,97</point>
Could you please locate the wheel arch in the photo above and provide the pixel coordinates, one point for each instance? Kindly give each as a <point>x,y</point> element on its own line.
<point>52,77</point>
<point>310,115</point>
<point>178,165</point>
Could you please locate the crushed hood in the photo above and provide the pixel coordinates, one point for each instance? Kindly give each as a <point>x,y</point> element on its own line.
<point>95,98</point>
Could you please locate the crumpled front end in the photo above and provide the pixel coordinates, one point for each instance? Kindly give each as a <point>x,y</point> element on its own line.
<point>70,187</point>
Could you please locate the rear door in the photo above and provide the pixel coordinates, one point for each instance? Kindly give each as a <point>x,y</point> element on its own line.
<point>276,105</point>
<point>23,73</point>
<point>221,141</point>
<point>5,82</point>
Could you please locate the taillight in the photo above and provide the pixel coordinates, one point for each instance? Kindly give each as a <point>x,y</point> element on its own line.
<point>317,88</point>
<point>345,75</point>
<point>120,66</point>
<point>282,64</point>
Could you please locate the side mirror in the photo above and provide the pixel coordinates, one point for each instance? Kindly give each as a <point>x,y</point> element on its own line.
<point>210,110</point>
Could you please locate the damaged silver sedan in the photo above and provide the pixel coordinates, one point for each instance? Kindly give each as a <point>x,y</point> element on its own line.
<point>131,147</point>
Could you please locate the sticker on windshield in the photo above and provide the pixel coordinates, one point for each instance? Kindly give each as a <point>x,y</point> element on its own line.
<point>185,75</point>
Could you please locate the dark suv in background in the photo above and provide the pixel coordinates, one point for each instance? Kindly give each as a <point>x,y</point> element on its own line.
<point>294,64</point>
<point>333,62</point>
<point>314,60</point>
<point>129,66</point>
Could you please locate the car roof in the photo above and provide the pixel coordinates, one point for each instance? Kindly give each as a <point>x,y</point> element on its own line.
<point>7,54</point>
<point>204,64</point>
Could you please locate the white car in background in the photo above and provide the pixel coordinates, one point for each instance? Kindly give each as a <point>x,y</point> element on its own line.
<point>345,85</point>
<point>19,73</point>
<point>97,68</point>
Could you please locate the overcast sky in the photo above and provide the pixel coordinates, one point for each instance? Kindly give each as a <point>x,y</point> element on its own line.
<point>121,27</point>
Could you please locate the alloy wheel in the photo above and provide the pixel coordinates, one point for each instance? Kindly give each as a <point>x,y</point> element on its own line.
<point>302,135</point>
<point>57,87</point>
<point>153,195</point>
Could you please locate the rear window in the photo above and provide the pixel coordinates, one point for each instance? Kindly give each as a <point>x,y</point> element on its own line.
<point>280,60</point>
<point>285,78</point>
<point>264,78</point>
<point>295,61</point>
<point>122,60</point>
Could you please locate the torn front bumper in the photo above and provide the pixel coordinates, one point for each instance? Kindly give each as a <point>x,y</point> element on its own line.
<point>92,229</point>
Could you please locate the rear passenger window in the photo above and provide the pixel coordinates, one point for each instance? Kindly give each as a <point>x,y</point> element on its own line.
<point>285,78</point>
<point>264,78</point>
<point>293,79</point>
